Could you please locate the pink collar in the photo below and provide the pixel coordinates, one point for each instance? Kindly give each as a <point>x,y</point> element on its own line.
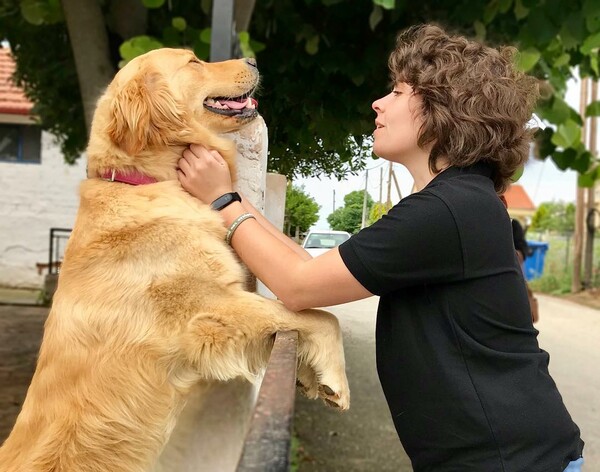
<point>131,178</point>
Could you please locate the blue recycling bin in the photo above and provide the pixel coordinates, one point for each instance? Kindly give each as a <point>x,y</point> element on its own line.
<point>534,264</point>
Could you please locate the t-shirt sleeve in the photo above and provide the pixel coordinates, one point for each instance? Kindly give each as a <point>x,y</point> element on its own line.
<point>417,242</point>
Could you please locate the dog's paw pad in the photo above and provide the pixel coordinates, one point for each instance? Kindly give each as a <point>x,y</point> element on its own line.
<point>338,400</point>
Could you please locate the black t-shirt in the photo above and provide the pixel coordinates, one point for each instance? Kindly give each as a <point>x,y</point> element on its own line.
<point>466,382</point>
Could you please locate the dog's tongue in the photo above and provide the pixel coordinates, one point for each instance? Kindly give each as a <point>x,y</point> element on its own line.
<point>238,105</point>
<point>234,105</point>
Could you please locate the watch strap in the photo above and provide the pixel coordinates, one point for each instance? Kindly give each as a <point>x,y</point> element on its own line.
<point>225,200</point>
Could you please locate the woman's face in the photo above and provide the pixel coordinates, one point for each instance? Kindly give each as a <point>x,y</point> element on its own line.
<point>397,124</point>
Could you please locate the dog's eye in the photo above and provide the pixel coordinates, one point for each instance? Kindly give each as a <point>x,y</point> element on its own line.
<point>195,60</point>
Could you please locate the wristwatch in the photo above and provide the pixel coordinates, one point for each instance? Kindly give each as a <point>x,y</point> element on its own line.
<point>224,200</point>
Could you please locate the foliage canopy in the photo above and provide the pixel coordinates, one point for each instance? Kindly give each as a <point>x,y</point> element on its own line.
<point>554,216</point>
<point>323,62</point>
<point>301,211</point>
<point>349,217</point>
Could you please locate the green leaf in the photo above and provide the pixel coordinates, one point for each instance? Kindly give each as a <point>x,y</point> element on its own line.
<point>244,36</point>
<point>34,11</point>
<point>312,45</point>
<point>590,43</point>
<point>387,4</point>
<point>555,111</point>
<point>328,3</point>
<point>490,12</point>
<point>593,109</point>
<point>375,17</point>
<point>562,60</point>
<point>582,162</point>
<point>137,46</point>
<point>205,35</point>
<point>244,39</point>
<point>588,179</point>
<point>179,23</point>
<point>591,13</point>
<point>518,173</point>
<point>543,143</point>
<point>480,30</point>
<point>567,134</point>
<point>257,46</point>
<point>594,63</point>
<point>527,59</point>
<point>573,30</point>
<point>520,11</point>
<point>504,5</point>
<point>563,159</point>
<point>153,3</point>
<point>205,6</point>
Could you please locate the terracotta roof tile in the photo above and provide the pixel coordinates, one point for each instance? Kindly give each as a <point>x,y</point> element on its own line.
<point>12,98</point>
<point>517,198</point>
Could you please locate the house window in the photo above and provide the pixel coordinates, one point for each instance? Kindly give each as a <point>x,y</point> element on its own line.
<point>20,143</point>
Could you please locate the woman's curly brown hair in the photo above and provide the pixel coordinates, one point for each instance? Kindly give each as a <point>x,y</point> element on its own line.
<point>475,103</point>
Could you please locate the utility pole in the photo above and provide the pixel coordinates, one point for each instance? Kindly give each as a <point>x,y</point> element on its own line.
<point>380,184</point>
<point>221,41</point>
<point>588,264</point>
<point>579,204</point>
<point>397,186</point>
<point>364,210</point>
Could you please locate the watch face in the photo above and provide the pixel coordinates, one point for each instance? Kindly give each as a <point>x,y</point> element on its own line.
<point>225,200</point>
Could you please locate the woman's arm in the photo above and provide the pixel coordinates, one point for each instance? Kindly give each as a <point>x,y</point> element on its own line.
<point>298,282</point>
<point>266,224</point>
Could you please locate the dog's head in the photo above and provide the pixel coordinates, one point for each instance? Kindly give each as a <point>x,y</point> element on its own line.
<point>168,99</point>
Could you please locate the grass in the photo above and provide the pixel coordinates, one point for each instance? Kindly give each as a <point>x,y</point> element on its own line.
<point>558,264</point>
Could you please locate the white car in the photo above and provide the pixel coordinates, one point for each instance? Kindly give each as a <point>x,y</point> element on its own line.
<point>319,241</point>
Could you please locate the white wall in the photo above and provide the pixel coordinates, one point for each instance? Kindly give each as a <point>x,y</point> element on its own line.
<point>33,199</point>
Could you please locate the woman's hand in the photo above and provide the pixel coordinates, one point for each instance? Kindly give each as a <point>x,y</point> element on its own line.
<point>204,174</point>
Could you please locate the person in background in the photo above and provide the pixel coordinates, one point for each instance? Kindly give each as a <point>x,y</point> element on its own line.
<point>519,240</point>
<point>465,380</point>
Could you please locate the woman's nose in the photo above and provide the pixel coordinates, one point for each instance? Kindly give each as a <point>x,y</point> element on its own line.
<point>376,105</point>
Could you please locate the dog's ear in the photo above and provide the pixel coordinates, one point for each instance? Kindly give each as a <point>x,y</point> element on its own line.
<point>144,114</point>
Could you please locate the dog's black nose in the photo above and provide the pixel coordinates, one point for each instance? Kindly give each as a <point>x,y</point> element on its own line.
<point>251,61</point>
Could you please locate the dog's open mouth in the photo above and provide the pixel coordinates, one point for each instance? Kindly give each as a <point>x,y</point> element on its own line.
<point>243,106</point>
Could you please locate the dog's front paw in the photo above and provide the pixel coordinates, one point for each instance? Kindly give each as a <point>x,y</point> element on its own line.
<point>339,397</point>
<point>307,382</point>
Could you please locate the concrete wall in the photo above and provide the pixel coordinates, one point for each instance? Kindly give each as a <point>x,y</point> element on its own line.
<point>33,199</point>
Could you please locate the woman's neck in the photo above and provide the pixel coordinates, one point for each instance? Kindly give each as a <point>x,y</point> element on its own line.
<point>422,174</point>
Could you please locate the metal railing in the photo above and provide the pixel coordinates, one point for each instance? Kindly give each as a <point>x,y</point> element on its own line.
<point>268,441</point>
<point>56,249</point>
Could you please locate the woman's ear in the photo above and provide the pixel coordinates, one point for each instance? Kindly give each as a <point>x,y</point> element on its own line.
<point>144,114</point>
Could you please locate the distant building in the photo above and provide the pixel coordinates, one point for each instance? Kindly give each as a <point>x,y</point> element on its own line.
<point>38,190</point>
<point>520,206</point>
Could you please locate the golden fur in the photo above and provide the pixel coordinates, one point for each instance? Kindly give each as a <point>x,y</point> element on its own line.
<point>150,299</point>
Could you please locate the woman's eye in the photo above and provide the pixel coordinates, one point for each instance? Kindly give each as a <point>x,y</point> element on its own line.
<point>396,92</point>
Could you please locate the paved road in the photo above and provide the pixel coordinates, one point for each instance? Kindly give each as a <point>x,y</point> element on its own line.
<point>364,440</point>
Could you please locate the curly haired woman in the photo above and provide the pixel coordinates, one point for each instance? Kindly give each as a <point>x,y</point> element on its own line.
<point>467,385</point>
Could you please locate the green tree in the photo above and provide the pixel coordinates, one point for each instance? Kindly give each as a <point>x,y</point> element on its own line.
<point>554,216</point>
<point>377,211</point>
<point>301,211</point>
<point>349,217</point>
<point>319,74</point>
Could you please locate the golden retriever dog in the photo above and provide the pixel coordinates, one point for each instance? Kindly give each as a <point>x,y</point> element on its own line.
<point>150,299</point>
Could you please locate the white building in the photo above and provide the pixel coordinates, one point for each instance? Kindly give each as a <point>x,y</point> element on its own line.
<point>38,190</point>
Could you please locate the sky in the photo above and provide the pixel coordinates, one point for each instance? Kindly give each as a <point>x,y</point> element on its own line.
<point>542,180</point>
